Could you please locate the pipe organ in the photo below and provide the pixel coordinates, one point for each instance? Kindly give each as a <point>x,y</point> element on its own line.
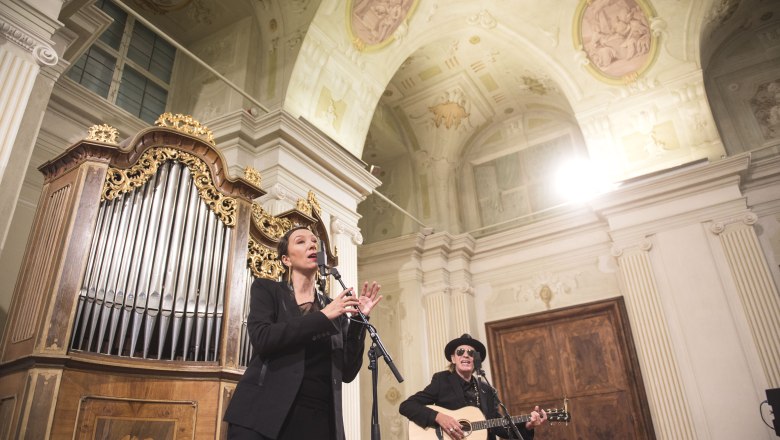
<point>128,319</point>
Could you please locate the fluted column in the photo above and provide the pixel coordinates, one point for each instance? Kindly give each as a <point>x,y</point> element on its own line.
<point>757,291</point>
<point>663,382</point>
<point>438,324</point>
<point>463,310</point>
<point>25,49</point>
<point>346,237</point>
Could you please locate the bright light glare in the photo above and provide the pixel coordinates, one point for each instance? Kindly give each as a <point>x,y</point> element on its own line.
<point>581,180</point>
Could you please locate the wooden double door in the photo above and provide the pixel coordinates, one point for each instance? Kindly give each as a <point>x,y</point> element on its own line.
<point>583,353</point>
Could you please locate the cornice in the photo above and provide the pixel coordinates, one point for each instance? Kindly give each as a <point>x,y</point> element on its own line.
<point>762,172</point>
<point>307,141</point>
<point>401,248</point>
<point>575,221</point>
<point>85,108</point>
<point>666,185</point>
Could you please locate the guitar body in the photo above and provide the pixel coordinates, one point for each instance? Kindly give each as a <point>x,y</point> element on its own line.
<point>474,425</point>
<point>465,416</point>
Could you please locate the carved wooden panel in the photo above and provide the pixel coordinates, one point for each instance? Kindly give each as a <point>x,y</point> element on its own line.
<point>7,406</point>
<point>89,400</point>
<point>582,353</point>
<point>133,419</point>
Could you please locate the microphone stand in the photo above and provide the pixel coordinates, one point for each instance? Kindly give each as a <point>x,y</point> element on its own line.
<point>377,349</point>
<point>481,373</point>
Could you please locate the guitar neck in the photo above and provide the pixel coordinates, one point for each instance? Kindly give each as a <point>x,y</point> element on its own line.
<point>495,423</point>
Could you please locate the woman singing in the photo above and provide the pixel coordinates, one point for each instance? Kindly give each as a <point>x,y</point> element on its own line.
<point>304,345</point>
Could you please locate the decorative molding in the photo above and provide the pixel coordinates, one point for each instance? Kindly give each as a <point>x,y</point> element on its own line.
<point>545,286</point>
<point>278,192</point>
<point>17,36</point>
<point>451,110</point>
<point>484,19</point>
<point>120,181</point>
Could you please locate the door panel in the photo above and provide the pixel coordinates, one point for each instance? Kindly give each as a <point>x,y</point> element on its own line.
<point>583,353</point>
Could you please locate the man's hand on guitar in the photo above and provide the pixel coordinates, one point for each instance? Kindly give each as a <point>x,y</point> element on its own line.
<point>538,417</point>
<point>450,426</point>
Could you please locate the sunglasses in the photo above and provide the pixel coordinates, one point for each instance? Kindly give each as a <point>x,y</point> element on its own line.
<point>460,352</point>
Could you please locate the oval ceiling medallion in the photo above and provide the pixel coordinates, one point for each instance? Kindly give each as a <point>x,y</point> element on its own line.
<point>615,39</point>
<point>373,24</point>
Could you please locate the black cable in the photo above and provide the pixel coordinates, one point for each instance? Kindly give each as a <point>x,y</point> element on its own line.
<point>510,426</point>
<point>761,405</point>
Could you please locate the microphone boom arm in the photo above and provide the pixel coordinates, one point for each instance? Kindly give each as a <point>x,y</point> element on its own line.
<point>371,332</point>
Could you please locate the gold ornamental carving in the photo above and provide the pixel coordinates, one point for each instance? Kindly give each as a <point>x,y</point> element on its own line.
<point>263,261</point>
<point>269,225</point>
<point>103,133</point>
<point>309,205</point>
<point>185,124</point>
<point>119,181</point>
<point>252,176</point>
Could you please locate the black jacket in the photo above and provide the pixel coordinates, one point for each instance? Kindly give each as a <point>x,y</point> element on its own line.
<point>279,333</point>
<point>446,391</point>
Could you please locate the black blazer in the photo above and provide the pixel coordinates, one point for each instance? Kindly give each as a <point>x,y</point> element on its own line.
<point>279,333</point>
<point>446,391</point>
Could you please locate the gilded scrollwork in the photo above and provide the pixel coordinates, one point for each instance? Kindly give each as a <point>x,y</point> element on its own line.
<point>252,176</point>
<point>119,181</point>
<point>309,204</point>
<point>269,225</point>
<point>103,133</point>
<point>185,124</point>
<point>263,261</point>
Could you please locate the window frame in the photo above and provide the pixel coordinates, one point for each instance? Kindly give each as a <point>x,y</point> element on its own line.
<point>122,61</point>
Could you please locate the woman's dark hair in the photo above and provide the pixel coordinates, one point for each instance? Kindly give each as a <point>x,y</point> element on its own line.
<point>284,242</point>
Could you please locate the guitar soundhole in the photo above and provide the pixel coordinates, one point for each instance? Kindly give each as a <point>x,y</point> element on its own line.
<point>465,425</point>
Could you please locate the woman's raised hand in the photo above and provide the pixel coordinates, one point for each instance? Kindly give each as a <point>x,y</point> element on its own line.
<point>343,303</point>
<point>369,297</point>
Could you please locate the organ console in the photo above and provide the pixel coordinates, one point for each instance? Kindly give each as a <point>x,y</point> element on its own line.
<point>128,318</point>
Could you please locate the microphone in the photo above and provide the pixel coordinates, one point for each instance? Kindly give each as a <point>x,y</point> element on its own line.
<point>321,262</point>
<point>478,364</point>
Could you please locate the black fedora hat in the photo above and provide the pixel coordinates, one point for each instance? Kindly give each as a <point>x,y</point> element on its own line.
<point>465,339</point>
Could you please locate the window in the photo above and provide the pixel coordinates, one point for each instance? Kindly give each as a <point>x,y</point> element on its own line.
<point>129,65</point>
<point>518,184</point>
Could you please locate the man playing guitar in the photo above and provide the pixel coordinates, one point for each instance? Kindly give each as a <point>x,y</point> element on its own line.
<point>456,388</point>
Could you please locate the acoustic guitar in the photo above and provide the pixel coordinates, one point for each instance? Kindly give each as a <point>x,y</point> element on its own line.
<point>472,421</point>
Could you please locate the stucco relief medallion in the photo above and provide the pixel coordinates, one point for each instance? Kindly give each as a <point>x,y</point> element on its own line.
<point>765,104</point>
<point>372,24</point>
<point>615,38</point>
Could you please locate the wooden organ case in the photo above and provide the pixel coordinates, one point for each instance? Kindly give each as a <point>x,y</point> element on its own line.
<point>128,319</point>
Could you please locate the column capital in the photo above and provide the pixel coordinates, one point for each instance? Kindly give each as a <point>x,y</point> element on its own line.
<point>340,227</point>
<point>747,218</point>
<point>643,245</point>
<point>40,50</point>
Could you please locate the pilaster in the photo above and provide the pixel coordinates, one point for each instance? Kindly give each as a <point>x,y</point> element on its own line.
<point>755,288</point>
<point>29,65</point>
<point>661,374</point>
